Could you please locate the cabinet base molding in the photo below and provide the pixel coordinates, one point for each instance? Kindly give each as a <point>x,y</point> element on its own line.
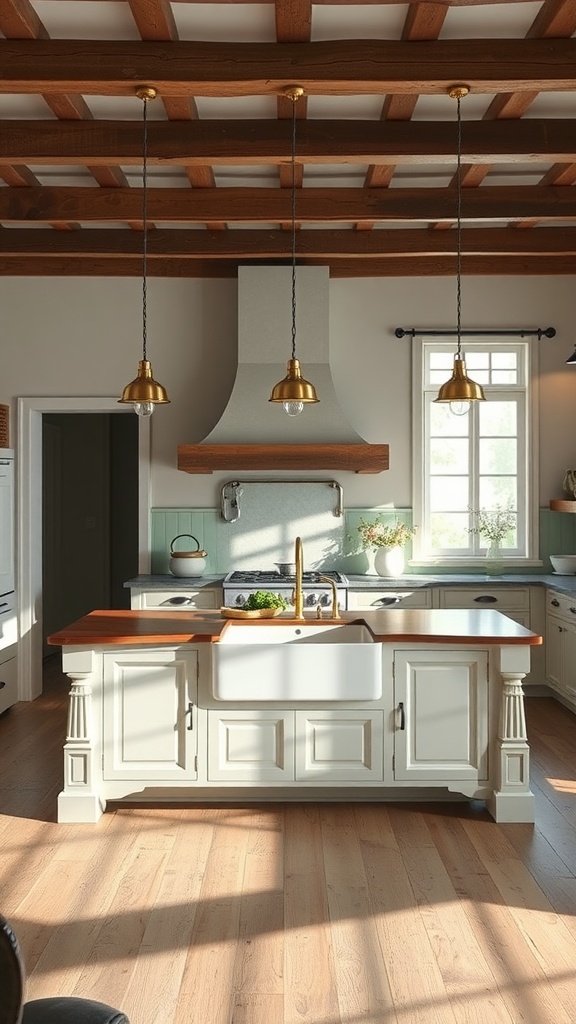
<point>512,807</point>
<point>85,808</point>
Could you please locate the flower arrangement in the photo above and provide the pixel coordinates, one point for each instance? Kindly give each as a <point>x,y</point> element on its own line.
<point>380,535</point>
<point>494,524</point>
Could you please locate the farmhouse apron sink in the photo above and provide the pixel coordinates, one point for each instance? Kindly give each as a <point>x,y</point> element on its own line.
<point>297,662</point>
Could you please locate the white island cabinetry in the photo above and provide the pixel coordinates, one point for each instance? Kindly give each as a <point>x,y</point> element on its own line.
<point>447,687</point>
<point>263,745</point>
<point>146,721</point>
<point>150,714</point>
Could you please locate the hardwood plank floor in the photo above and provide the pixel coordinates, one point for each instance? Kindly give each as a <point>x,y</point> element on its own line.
<point>293,914</point>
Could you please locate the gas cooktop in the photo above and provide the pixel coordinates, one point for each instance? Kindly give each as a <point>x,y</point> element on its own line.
<point>262,577</point>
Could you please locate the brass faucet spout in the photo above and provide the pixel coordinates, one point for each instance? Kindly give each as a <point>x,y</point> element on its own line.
<point>335,614</point>
<point>298,593</point>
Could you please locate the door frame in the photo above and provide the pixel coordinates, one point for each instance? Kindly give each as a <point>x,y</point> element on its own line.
<point>29,521</point>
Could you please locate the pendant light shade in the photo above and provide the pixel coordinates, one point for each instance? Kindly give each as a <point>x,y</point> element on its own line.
<point>459,391</point>
<point>143,393</point>
<point>293,392</point>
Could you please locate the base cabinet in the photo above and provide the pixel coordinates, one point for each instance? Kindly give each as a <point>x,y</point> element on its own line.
<point>441,715</point>
<point>285,746</point>
<point>8,678</point>
<point>561,647</point>
<point>144,724</point>
<point>150,715</point>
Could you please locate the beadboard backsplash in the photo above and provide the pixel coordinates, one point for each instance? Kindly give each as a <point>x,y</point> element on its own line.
<point>329,541</point>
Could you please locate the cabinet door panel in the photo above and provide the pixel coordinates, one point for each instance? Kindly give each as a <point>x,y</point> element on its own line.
<point>6,525</point>
<point>8,683</point>
<point>251,746</point>
<point>441,715</point>
<point>150,715</point>
<point>554,629</point>
<point>339,745</point>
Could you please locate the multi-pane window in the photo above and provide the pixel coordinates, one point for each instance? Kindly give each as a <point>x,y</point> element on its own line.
<point>478,460</point>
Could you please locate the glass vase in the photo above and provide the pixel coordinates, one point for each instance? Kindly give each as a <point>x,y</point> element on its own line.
<point>494,559</point>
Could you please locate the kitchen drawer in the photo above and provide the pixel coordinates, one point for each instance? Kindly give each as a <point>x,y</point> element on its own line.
<point>8,683</point>
<point>173,600</point>
<point>377,599</point>
<point>501,598</point>
<point>562,605</point>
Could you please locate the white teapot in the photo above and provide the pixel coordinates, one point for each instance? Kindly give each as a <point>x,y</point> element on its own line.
<point>187,563</point>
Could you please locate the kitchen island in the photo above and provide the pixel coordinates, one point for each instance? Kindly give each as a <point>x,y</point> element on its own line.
<point>447,722</point>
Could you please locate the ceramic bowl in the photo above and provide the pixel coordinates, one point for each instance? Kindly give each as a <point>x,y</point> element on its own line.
<point>565,564</point>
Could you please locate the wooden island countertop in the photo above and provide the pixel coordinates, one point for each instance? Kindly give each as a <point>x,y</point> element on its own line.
<point>410,625</point>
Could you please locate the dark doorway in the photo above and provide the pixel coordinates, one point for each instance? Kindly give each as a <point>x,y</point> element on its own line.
<point>90,514</point>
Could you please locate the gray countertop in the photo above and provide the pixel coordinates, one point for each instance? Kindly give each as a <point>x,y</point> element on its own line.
<point>563,584</point>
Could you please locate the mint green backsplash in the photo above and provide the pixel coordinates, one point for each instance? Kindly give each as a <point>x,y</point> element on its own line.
<point>557,537</point>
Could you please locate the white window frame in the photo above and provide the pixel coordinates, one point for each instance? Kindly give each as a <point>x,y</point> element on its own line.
<point>527,453</point>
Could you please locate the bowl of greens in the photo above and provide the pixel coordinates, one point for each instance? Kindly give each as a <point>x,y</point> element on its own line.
<point>262,604</point>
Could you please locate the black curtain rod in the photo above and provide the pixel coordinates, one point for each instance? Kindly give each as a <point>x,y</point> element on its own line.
<point>539,332</point>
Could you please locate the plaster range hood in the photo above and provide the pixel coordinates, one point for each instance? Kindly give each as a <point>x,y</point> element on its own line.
<point>253,433</point>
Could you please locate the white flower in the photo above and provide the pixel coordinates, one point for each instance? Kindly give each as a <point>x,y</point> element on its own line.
<point>494,524</point>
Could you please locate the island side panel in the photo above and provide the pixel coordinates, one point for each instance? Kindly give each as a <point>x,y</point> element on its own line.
<point>512,800</point>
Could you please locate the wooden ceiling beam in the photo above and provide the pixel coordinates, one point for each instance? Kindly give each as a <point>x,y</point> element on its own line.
<point>335,67</point>
<point>263,141</point>
<point>273,206</point>
<point>272,245</point>
<point>416,266</point>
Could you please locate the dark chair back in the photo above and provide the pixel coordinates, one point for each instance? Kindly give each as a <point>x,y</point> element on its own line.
<point>51,1010</point>
<point>11,976</point>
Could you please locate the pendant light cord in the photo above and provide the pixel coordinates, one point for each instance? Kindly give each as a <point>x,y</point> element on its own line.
<point>144,225</point>
<point>293,214</point>
<point>459,231</point>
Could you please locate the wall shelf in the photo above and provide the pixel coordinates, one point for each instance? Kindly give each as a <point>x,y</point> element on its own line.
<point>562,505</point>
<point>355,458</point>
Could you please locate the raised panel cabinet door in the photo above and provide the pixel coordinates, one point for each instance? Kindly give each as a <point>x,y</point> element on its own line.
<point>8,682</point>
<point>150,715</point>
<point>441,715</point>
<point>251,746</point>
<point>335,745</point>
<point>554,629</point>
<point>568,678</point>
<point>6,525</point>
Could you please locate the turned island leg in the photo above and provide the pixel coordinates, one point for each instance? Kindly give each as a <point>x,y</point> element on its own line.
<point>512,799</point>
<point>79,801</point>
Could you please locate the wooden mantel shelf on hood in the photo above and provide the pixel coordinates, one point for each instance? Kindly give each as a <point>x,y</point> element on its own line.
<point>355,458</point>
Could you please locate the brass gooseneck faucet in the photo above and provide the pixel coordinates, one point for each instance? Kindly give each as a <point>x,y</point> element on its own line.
<point>335,614</point>
<point>298,592</point>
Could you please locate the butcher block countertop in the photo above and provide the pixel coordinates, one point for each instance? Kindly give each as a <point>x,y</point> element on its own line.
<point>408,625</point>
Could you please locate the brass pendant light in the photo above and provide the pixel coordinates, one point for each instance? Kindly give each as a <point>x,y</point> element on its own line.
<point>144,392</point>
<point>293,392</point>
<point>459,391</point>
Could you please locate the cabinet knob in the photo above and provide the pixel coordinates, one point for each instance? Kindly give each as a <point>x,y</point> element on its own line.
<point>402,715</point>
<point>190,713</point>
<point>486,599</point>
<point>2,684</point>
<point>573,610</point>
<point>555,603</point>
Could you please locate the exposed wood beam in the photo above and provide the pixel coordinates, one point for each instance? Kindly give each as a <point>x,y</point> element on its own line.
<point>272,245</point>
<point>261,141</point>
<point>337,67</point>
<point>417,266</point>
<point>272,206</point>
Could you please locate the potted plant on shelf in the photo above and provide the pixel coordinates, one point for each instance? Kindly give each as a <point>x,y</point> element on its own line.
<point>387,540</point>
<point>495,525</point>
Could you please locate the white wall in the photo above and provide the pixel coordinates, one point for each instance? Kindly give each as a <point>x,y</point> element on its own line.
<point>82,337</point>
